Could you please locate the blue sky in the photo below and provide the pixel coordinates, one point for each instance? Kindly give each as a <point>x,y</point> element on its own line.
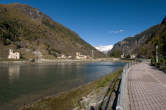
<point>102,22</point>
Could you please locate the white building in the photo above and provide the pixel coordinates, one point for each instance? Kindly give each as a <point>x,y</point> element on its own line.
<point>69,57</point>
<point>62,56</point>
<point>13,55</point>
<point>132,56</point>
<point>79,56</point>
<point>122,56</point>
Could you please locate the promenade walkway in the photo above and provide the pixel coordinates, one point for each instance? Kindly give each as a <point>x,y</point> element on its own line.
<point>146,88</point>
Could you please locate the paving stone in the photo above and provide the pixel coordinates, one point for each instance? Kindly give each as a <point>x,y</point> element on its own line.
<point>146,88</point>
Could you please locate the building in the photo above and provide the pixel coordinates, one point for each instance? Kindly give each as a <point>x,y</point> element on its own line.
<point>13,55</point>
<point>62,57</point>
<point>79,56</point>
<point>69,57</point>
<point>132,56</point>
<point>37,55</point>
<point>122,56</point>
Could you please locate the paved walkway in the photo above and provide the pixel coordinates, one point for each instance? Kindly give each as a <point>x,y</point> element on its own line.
<point>146,88</point>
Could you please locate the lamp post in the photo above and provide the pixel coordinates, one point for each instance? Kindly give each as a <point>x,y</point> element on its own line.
<point>92,54</point>
<point>157,60</point>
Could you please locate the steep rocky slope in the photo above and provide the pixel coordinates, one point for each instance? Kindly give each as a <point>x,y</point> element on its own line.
<point>131,45</point>
<point>29,31</point>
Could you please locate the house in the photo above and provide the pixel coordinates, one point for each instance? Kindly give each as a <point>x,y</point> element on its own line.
<point>79,56</point>
<point>37,55</point>
<point>132,56</point>
<point>122,56</point>
<point>13,55</point>
<point>69,57</point>
<point>62,56</point>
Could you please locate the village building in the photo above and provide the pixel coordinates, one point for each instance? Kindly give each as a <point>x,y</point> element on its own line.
<point>79,56</point>
<point>62,57</point>
<point>37,55</point>
<point>69,57</point>
<point>122,56</point>
<point>132,56</point>
<point>13,55</point>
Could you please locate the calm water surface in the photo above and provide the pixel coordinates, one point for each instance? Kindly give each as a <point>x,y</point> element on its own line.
<point>22,84</point>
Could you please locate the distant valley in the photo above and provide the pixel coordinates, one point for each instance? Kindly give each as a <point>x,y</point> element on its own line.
<point>105,48</point>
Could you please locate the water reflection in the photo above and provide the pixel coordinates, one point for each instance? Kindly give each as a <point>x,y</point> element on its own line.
<point>17,82</point>
<point>13,72</point>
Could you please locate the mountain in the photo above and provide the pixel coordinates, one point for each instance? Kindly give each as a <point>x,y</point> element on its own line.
<point>27,30</point>
<point>105,48</point>
<point>143,44</point>
<point>132,45</point>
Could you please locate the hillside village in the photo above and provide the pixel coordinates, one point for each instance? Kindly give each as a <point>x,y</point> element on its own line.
<point>25,29</point>
<point>16,55</point>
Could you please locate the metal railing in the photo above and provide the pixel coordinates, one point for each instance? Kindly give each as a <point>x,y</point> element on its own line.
<point>123,85</point>
<point>114,97</point>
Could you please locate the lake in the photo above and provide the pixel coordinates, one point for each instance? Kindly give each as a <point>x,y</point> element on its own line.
<point>25,83</point>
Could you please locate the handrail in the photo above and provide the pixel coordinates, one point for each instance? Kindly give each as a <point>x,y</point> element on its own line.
<point>120,102</point>
<point>120,91</point>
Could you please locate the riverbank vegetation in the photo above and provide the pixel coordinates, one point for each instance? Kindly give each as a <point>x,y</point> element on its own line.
<point>69,100</point>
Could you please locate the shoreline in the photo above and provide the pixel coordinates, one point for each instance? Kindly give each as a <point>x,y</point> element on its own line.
<point>32,96</point>
<point>59,61</point>
<point>71,98</point>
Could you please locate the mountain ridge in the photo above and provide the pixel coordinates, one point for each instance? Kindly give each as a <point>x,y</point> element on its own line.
<point>26,30</point>
<point>131,45</point>
<point>144,44</point>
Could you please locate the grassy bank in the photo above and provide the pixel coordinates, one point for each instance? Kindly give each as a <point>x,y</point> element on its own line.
<point>69,100</point>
